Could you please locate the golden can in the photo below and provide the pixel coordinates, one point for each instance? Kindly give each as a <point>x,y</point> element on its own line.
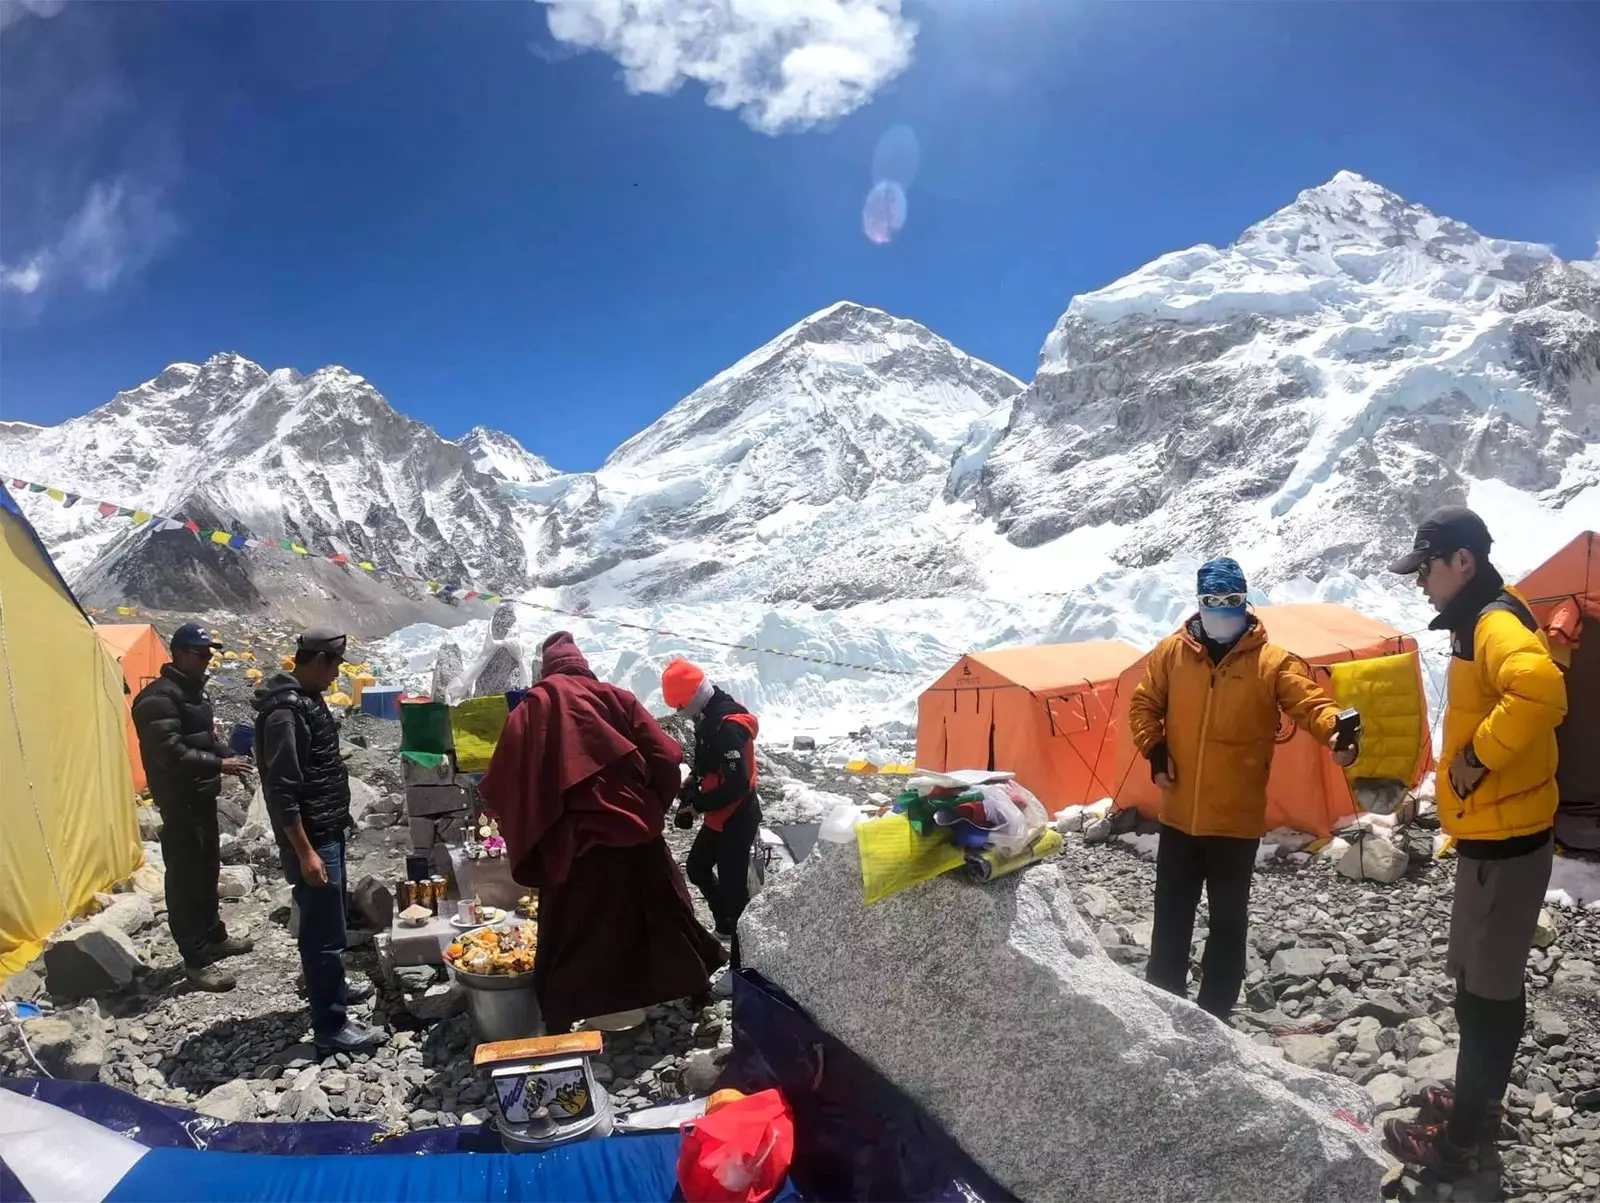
<point>437,893</point>
<point>408,894</point>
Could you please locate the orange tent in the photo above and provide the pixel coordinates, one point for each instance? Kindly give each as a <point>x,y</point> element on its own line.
<point>1564,594</point>
<point>139,652</point>
<point>1306,790</point>
<point>1043,713</point>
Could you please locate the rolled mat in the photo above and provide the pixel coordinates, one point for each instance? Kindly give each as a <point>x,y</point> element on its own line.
<point>988,865</point>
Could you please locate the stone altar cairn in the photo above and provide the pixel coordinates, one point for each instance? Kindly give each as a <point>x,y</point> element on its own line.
<point>1062,1074</point>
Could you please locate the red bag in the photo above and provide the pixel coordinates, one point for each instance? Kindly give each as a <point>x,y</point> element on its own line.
<point>740,1153</point>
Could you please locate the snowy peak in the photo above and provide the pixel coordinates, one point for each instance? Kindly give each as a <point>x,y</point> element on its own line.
<point>495,453</point>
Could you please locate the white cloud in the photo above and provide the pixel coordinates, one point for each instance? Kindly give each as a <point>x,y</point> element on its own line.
<point>784,65</point>
<point>12,11</point>
<point>122,224</point>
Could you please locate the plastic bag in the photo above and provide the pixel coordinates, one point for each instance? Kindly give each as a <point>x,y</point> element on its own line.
<point>839,825</point>
<point>739,1152</point>
<point>1020,815</point>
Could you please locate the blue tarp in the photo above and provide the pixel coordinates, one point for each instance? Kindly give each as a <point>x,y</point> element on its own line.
<point>857,1135</point>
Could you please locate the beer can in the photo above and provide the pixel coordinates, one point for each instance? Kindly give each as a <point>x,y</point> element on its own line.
<point>407,891</point>
<point>437,893</point>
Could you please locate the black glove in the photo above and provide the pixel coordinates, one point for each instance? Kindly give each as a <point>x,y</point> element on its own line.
<point>1160,761</point>
<point>684,818</point>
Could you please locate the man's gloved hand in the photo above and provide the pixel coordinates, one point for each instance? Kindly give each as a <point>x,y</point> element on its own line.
<point>1466,772</point>
<point>1161,770</point>
<point>684,819</point>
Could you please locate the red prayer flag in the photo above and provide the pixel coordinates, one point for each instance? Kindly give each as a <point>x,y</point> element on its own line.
<point>107,509</point>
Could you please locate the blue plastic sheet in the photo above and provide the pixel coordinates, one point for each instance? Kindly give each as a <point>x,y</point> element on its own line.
<point>857,1135</point>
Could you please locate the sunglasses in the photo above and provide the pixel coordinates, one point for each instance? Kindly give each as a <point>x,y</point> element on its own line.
<point>1426,567</point>
<point>1221,601</point>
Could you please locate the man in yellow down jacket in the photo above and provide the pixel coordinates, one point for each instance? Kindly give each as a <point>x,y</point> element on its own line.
<point>1206,718</point>
<point>1498,798</point>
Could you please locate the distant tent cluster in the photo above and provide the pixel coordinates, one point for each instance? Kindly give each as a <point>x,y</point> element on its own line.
<point>1057,715</point>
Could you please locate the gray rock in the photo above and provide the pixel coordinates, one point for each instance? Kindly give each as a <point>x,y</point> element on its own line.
<point>1433,1067</point>
<point>1313,1052</point>
<point>438,1001</point>
<point>1096,831</point>
<point>129,914</point>
<point>232,1103</point>
<point>1385,1009</point>
<point>90,959</point>
<point>376,904</point>
<point>1545,934</point>
<point>1013,965</point>
<point>805,743</point>
<point>149,823</point>
<point>1414,1032</point>
<point>1543,1107</point>
<point>230,816</point>
<point>236,881</point>
<point>150,879</point>
<point>1549,1028</point>
<point>1374,859</point>
<point>1098,903</point>
<point>69,1044</point>
<point>1388,1091</point>
<point>703,1068</point>
<point>1301,964</point>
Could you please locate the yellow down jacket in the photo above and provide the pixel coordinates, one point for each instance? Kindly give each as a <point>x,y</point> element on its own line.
<point>1220,723</point>
<point>1507,700</point>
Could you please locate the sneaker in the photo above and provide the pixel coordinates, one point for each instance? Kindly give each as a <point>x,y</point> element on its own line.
<point>233,946</point>
<point>209,978</point>
<point>1438,1104</point>
<point>1427,1146</point>
<point>352,1038</point>
<point>355,991</point>
<point>723,986</point>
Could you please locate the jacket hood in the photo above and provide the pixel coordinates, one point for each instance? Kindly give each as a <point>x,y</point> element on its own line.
<point>721,705</point>
<point>560,654</point>
<point>278,683</point>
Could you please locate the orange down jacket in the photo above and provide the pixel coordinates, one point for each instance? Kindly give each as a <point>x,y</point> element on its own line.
<point>1220,724</point>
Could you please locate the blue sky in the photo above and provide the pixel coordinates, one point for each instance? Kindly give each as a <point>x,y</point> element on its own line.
<point>495,224</point>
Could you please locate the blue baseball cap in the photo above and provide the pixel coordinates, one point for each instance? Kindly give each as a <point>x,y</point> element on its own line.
<point>192,636</point>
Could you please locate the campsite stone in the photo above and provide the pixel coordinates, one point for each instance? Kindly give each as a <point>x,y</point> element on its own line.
<point>149,823</point>
<point>1414,1031</point>
<point>1098,903</point>
<point>1096,830</point>
<point>1545,934</point>
<point>701,1071</point>
<point>1549,1028</point>
<point>90,959</point>
<point>129,914</point>
<point>1300,963</point>
<point>230,816</point>
<point>1374,859</point>
<point>1385,1009</point>
<point>1433,1067</point>
<point>232,1103</point>
<point>1261,996</point>
<point>1388,1091</point>
<point>439,1001</point>
<point>374,902</point>
<point>805,743</point>
<point>1313,1052</point>
<point>151,880</point>
<point>938,958</point>
<point>1542,1107</point>
<point>235,881</point>
<point>69,1044</point>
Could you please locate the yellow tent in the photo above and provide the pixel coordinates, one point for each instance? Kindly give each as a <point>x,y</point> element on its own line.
<point>66,786</point>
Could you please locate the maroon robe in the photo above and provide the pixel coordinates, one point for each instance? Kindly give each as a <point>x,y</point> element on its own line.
<point>581,781</point>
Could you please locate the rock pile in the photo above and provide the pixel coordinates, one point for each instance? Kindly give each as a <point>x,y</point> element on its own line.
<point>1064,1076</point>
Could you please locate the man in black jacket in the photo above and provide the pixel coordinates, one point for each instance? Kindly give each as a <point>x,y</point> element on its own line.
<point>184,765</point>
<point>307,791</point>
<point>721,791</point>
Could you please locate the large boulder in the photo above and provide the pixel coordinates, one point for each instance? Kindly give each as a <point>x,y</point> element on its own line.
<point>90,959</point>
<point>235,881</point>
<point>129,913</point>
<point>70,1044</point>
<point>232,1103</point>
<point>374,902</point>
<point>1062,1074</point>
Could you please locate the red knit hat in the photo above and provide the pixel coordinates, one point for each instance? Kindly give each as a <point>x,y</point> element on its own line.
<point>681,683</point>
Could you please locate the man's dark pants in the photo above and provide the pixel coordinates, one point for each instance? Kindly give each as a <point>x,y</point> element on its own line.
<point>719,866</point>
<point>1223,866</point>
<point>322,935</point>
<point>190,847</point>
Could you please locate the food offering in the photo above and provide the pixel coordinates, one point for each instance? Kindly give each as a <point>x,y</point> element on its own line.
<point>495,951</point>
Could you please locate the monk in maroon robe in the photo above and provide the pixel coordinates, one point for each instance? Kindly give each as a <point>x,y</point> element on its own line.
<point>581,782</point>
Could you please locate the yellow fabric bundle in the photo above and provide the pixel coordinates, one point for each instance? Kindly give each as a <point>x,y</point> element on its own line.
<point>895,858</point>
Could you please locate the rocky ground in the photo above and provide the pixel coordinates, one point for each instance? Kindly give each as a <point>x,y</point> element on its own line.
<point>1344,976</point>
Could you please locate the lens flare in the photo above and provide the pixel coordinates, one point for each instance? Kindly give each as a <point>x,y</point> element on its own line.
<point>884,213</point>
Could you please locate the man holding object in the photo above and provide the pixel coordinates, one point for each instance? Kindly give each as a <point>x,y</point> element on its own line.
<point>307,790</point>
<point>1206,718</point>
<point>1498,797</point>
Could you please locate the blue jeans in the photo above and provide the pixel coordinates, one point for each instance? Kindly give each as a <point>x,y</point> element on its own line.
<point>322,935</point>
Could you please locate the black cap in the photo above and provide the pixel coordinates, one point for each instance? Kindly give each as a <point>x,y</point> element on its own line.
<point>322,639</point>
<point>192,636</point>
<point>1442,533</point>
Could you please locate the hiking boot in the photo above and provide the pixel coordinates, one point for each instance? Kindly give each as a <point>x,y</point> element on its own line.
<point>209,978</point>
<point>352,1038</point>
<point>1427,1147</point>
<point>233,946</point>
<point>1438,1104</point>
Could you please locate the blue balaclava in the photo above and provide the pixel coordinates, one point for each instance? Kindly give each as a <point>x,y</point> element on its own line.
<point>1223,624</point>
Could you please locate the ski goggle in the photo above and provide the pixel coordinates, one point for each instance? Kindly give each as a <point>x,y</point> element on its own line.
<point>1222,601</point>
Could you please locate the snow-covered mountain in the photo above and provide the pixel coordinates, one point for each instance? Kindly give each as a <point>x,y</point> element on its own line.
<point>321,460</point>
<point>859,490</point>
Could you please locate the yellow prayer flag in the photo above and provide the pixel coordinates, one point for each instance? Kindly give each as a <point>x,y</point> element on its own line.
<point>366,565</point>
<point>126,610</point>
<point>141,516</point>
<point>220,536</point>
<point>297,549</point>
<point>55,494</point>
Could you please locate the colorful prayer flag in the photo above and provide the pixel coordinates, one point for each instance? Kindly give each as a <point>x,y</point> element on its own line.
<point>72,500</point>
<point>297,549</point>
<point>366,565</point>
<point>19,484</point>
<point>340,558</point>
<point>192,527</point>
<point>35,488</point>
<point>124,512</point>
<point>55,494</point>
<point>141,516</point>
<point>169,524</point>
<point>220,536</point>
<point>237,542</point>
<point>107,509</point>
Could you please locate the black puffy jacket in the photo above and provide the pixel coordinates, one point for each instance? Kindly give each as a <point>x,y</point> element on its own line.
<point>177,741</point>
<point>297,749</point>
